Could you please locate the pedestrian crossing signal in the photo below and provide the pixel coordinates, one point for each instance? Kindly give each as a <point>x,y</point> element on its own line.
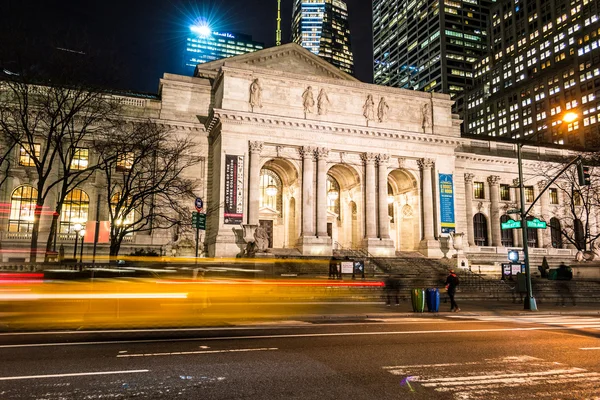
<point>583,175</point>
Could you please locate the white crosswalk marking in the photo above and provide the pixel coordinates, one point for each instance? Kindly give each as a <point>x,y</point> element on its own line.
<point>567,321</point>
<point>495,378</point>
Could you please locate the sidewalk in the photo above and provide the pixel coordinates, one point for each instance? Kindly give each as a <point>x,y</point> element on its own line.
<point>364,310</point>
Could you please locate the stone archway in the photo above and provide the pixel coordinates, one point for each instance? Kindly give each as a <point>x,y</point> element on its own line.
<point>277,206</point>
<point>346,225</point>
<point>404,205</point>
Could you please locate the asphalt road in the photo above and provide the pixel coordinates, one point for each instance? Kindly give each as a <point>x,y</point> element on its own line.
<point>455,356</point>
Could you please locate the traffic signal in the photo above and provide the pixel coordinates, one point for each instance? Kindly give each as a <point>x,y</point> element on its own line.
<point>583,174</point>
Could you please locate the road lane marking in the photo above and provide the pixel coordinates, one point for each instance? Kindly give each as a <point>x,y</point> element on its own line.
<point>291,336</point>
<point>134,371</point>
<point>589,348</point>
<point>185,353</point>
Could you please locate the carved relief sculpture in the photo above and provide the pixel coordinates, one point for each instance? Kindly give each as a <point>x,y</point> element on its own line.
<point>308,100</point>
<point>255,94</point>
<point>261,239</point>
<point>322,102</point>
<point>382,110</point>
<point>369,109</point>
<point>426,114</point>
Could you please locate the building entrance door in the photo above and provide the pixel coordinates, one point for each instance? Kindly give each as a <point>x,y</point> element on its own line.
<point>267,225</point>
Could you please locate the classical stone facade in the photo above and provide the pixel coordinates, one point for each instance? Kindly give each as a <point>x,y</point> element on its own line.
<point>348,166</point>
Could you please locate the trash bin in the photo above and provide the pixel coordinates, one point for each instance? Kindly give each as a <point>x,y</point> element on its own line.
<point>433,299</point>
<point>418,300</point>
<point>553,274</point>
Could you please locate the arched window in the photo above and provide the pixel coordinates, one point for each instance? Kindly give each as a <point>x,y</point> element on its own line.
<point>507,234</point>
<point>122,218</point>
<point>579,234</point>
<point>556,233</point>
<point>532,235</point>
<point>480,230</point>
<point>333,195</point>
<point>22,207</point>
<point>74,210</point>
<point>271,190</point>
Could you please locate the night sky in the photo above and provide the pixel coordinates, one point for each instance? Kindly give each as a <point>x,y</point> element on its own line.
<point>147,37</point>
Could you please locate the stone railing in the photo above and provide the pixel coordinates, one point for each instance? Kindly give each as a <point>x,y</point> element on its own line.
<point>17,235</point>
<point>532,250</point>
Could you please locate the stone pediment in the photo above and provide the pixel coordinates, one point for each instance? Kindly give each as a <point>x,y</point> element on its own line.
<point>290,58</point>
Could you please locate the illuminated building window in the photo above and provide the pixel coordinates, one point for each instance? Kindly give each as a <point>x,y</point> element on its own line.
<point>333,195</point>
<point>529,194</point>
<point>478,190</point>
<point>271,190</point>
<point>505,192</point>
<point>124,161</point>
<point>80,159</point>
<point>26,158</point>
<point>74,210</point>
<point>120,211</point>
<point>553,196</point>
<point>22,207</point>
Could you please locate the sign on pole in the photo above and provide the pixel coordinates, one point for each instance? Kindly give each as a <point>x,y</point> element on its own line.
<point>536,224</point>
<point>199,204</point>
<point>511,224</point>
<point>199,220</point>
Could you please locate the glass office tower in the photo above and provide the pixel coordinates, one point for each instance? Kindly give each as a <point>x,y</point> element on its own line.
<point>205,45</point>
<point>544,63</point>
<point>429,45</point>
<point>322,27</point>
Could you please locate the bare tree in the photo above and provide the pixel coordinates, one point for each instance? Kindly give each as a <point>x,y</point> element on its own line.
<point>144,165</point>
<point>581,207</point>
<point>52,103</point>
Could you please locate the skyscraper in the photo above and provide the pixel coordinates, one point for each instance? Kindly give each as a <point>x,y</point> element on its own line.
<point>543,64</point>
<point>322,27</point>
<point>429,45</point>
<point>205,45</point>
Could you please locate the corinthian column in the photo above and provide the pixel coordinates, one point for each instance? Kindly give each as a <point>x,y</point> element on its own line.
<point>426,164</point>
<point>254,182</point>
<point>308,197</point>
<point>494,182</point>
<point>322,154</point>
<point>469,208</point>
<point>370,216</point>
<point>384,220</point>
<point>544,234</point>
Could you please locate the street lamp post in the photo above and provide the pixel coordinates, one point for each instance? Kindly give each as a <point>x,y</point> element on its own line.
<point>530,303</point>
<point>82,234</point>
<point>77,228</point>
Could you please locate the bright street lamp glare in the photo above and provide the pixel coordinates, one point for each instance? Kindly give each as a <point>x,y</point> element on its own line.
<point>570,117</point>
<point>202,30</point>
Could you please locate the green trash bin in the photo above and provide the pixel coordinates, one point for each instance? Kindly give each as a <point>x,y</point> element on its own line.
<point>417,297</point>
<point>553,274</point>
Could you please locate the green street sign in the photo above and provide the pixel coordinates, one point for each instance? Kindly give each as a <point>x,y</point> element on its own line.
<point>511,224</point>
<point>536,224</point>
<point>199,220</point>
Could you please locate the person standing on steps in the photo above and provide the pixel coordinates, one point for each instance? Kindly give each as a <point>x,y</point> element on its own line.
<point>392,289</point>
<point>451,283</point>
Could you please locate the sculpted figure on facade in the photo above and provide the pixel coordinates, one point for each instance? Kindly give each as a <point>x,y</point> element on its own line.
<point>322,102</point>
<point>255,94</point>
<point>426,116</point>
<point>369,108</point>
<point>308,100</point>
<point>382,110</point>
<point>261,239</point>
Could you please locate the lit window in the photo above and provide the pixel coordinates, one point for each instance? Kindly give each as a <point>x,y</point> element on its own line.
<point>478,190</point>
<point>528,194</point>
<point>22,207</point>
<point>271,190</point>
<point>124,162</point>
<point>505,192</point>
<point>74,210</point>
<point>80,159</point>
<point>553,196</point>
<point>26,158</point>
<point>120,211</point>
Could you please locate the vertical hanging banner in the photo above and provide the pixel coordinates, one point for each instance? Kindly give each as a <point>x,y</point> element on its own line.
<point>234,189</point>
<point>447,203</point>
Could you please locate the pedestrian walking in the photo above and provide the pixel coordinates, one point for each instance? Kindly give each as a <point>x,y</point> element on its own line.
<point>451,283</point>
<point>392,289</point>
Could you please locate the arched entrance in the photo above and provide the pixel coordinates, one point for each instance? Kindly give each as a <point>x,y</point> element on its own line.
<point>403,206</point>
<point>344,198</point>
<point>277,206</point>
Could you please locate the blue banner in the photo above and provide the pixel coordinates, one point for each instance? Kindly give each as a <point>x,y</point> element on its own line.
<point>447,203</point>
